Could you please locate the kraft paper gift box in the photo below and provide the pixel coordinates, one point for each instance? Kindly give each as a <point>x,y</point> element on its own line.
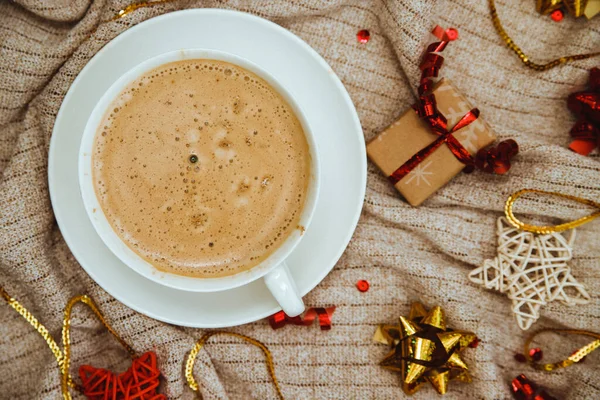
<point>409,134</point>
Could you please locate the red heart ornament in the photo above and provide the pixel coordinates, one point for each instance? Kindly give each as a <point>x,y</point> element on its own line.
<point>139,382</point>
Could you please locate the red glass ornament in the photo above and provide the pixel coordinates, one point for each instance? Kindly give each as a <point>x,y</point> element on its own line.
<point>557,15</point>
<point>363,36</point>
<point>362,285</point>
<point>536,354</point>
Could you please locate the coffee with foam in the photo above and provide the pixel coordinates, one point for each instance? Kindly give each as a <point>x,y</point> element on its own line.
<point>201,168</point>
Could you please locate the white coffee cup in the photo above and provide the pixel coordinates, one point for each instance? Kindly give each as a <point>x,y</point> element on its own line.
<point>273,269</point>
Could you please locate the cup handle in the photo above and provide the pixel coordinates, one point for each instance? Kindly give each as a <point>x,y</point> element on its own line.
<point>282,286</point>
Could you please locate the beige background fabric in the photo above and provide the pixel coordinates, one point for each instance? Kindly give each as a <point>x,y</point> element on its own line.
<point>406,253</point>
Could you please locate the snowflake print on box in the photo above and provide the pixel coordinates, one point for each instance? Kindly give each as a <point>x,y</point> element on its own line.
<point>533,270</point>
<point>419,174</point>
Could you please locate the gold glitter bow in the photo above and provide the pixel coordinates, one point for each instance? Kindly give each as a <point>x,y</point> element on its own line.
<point>425,350</point>
<point>544,230</point>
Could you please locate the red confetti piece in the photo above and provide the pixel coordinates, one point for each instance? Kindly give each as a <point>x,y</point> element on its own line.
<point>525,389</point>
<point>520,358</point>
<point>447,35</point>
<point>362,285</point>
<point>363,36</point>
<point>557,15</point>
<point>451,34</point>
<point>475,343</point>
<point>281,319</point>
<point>139,382</point>
<point>536,354</point>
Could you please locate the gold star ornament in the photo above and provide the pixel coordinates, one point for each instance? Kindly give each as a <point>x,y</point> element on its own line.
<point>423,349</point>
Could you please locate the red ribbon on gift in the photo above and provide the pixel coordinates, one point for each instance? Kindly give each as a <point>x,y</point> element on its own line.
<point>427,110</point>
<point>586,106</point>
<point>439,127</point>
<point>281,319</point>
<point>495,160</point>
<point>139,382</point>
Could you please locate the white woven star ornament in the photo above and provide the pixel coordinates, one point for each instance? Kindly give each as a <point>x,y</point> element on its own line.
<point>533,270</point>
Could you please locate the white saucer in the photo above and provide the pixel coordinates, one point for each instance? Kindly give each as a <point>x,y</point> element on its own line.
<point>318,91</point>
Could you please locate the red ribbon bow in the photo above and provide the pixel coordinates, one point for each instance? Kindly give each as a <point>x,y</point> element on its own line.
<point>494,159</point>
<point>438,125</point>
<point>281,319</point>
<point>427,110</point>
<point>524,389</point>
<point>586,106</point>
<point>139,382</point>
<point>497,159</point>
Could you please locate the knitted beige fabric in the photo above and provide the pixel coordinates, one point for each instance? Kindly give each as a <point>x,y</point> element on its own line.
<point>406,253</point>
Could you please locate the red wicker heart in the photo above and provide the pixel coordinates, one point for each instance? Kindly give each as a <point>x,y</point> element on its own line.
<point>139,382</point>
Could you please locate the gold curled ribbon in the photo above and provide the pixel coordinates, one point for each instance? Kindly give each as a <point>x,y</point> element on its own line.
<point>63,356</point>
<point>189,365</point>
<point>522,56</point>
<point>546,229</point>
<point>576,357</point>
